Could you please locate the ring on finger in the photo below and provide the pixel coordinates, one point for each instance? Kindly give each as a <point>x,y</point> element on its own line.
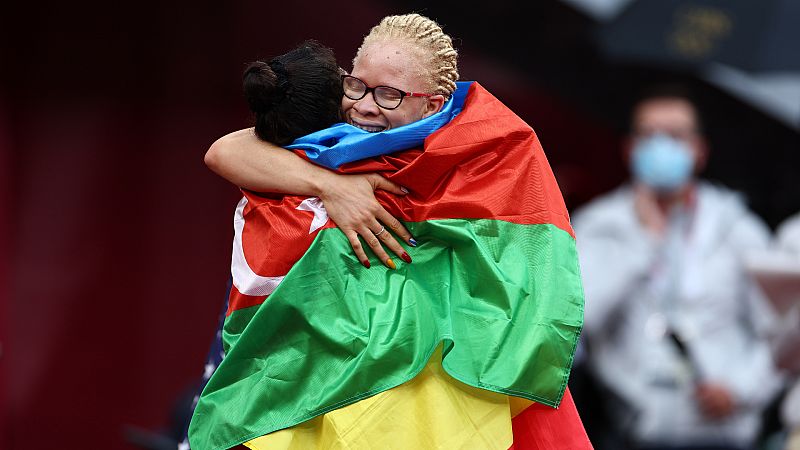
<point>381,231</point>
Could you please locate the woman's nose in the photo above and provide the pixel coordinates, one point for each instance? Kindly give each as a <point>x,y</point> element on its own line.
<point>367,105</point>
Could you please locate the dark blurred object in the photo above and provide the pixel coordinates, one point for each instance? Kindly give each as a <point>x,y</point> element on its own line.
<point>755,36</point>
<point>592,401</point>
<point>169,437</point>
<point>747,48</point>
<point>683,350</point>
<point>149,440</point>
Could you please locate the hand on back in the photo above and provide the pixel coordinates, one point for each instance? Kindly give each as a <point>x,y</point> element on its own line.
<point>350,202</point>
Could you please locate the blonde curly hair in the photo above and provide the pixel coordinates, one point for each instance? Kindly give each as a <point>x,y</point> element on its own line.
<point>440,59</point>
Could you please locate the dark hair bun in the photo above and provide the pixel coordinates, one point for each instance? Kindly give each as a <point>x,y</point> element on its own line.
<point>261,87</point>
<point>294,94</point>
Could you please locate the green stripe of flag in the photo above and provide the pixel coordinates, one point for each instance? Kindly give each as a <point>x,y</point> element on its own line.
<point>505,298</point>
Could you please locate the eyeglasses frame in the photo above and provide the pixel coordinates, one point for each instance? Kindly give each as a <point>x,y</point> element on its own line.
<point>372,89</point>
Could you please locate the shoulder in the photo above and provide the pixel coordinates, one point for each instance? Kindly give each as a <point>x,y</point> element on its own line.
<point>741,225</point>
<point>788,234</point>
<point>606,204</point>
<point>613,208</point>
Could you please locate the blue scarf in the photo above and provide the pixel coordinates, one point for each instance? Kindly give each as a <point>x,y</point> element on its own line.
<point>344,143</point>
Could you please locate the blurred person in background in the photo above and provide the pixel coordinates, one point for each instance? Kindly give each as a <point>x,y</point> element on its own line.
<point>675,331</point>
<point>786,343</point>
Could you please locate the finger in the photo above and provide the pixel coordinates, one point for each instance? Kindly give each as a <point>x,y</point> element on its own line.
<point>389,241</point>
<point>352,236</point>
<point>379,182</point>
<point>396,227</point>
<point>375,244</point>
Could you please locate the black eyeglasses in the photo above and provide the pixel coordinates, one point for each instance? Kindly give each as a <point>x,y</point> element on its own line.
<point>386,97</point>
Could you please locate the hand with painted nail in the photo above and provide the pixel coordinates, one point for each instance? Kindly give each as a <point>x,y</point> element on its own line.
<point>260,166</point>
<point>350,202</point>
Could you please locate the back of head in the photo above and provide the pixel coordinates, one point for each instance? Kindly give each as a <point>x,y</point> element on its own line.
<point>294,94</point>
<point>666,92</point>
<point>435,48</point>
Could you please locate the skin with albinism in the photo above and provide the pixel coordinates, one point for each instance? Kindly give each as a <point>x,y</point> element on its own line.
<point>246,161</point>
<point>390,63</point>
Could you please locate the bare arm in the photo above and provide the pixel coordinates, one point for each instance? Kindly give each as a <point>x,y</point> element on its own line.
<point>246,161</point>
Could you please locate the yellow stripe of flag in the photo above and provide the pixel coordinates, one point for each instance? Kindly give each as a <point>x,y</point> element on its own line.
<point>431,411</point>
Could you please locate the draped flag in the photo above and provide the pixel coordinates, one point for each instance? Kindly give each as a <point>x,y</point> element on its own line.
<point>494,293</point>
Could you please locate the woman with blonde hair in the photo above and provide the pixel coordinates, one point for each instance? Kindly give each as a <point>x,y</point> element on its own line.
<point>425,58</point>
<point>447,352</point>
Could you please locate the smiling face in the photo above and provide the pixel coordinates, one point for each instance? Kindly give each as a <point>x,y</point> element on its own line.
<point>390,63</point>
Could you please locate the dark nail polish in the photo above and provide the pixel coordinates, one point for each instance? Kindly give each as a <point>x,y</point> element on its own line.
<point>365,263</point>
<point>412,242</point>
<point>405,257</point>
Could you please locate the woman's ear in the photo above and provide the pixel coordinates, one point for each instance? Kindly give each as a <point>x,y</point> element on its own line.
<point>433,105</point>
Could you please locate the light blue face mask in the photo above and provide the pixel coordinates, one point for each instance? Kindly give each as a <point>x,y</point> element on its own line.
<point>662,162</point>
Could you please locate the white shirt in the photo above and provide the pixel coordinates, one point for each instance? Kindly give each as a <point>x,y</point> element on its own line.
<point>692,282</point>
<point>788,342</point>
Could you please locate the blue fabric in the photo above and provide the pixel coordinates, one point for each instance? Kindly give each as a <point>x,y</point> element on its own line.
<point>344,143</point>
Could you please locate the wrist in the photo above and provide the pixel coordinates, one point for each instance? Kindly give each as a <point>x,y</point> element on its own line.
<point>324,184</point>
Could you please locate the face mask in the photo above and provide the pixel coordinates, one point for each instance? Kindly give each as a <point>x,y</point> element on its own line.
<point>662,162</point>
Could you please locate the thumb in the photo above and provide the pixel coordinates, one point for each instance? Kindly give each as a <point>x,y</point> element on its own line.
<point>379,182</point>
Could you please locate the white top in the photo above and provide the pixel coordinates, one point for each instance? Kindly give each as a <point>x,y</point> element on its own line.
<point>788,235</point>
<point>692,282</point>
<point>788,339</point>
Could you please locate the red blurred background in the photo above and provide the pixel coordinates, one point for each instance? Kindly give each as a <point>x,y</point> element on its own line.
<point>115,236</point>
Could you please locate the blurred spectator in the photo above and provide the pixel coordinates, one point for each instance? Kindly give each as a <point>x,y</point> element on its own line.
<point>787,341</point>
<point>675,331</point>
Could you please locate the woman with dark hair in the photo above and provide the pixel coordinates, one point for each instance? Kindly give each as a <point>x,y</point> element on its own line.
<point>291,95</point>
<point>294,94</point>
<point>469,347</point>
